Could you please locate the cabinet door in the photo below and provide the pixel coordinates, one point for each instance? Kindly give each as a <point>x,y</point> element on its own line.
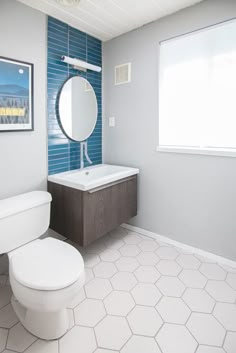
<point>73,214</point>
<point>124,201</point>
<point>67,212</point>
<point>106,208</point>
<point>97,214</point>
<point>57,222</point>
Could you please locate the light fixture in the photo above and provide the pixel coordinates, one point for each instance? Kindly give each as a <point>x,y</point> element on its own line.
<point>80,64</point>
<point>68,2</point>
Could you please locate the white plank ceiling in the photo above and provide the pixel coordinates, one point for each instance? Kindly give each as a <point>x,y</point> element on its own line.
<point>106,19</point>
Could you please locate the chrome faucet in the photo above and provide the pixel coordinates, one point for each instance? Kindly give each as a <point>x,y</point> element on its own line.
<point>84,151</point>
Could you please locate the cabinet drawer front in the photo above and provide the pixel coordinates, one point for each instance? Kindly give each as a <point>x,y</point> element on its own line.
<point>84,216</point>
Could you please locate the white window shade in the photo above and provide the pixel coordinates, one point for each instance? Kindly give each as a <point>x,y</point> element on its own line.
<point>198,89</point>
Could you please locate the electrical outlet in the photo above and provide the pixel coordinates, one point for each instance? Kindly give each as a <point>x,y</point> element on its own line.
<point>112,121</point>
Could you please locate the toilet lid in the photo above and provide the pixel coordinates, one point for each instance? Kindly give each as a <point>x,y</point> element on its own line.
<point>48,264</point>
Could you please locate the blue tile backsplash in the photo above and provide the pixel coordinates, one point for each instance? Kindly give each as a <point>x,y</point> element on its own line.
<point>64,154</point>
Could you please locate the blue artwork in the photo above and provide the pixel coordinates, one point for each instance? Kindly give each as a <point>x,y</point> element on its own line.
<point>16,95</point>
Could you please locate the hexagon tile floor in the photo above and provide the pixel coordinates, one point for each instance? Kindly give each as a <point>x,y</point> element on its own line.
<point>140,296</point>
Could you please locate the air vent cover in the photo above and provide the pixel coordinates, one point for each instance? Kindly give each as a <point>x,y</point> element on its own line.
<point>122,74</point>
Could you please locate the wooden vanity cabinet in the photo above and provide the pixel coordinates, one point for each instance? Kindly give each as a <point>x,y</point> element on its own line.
<point>84,216</point>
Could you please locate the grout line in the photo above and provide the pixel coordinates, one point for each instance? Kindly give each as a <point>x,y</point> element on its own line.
<point>195,251</point>
<point>130,291</point>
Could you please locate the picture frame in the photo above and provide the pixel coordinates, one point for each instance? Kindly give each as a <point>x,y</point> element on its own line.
<point>16,95</point>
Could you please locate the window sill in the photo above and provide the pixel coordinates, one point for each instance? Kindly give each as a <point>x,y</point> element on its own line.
<point>200,151</point>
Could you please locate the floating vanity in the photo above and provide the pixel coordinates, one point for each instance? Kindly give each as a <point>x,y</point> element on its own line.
<point>88,203</point>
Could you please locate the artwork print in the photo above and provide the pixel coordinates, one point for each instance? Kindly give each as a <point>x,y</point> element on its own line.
<point>16,95</point>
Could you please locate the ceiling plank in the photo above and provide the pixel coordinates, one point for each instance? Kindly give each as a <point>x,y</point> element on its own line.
<point>107,19</point>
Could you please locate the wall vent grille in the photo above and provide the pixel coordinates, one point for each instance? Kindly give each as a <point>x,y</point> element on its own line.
<point>122,73</point>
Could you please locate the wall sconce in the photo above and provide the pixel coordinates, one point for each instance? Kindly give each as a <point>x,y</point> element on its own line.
<point>80,64</point>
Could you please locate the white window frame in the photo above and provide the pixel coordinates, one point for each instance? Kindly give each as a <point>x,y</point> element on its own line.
<point>225,152</point>
<point>209,151</point>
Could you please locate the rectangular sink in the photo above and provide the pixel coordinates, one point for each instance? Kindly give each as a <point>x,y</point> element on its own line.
<point>92,177</point>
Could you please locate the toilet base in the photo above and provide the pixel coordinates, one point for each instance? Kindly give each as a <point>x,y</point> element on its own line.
<point>45,325</point>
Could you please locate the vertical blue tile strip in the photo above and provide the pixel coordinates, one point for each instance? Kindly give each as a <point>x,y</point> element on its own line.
<point>64,154</point>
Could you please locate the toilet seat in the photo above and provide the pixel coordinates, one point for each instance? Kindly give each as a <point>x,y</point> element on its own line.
<point>46,265</point>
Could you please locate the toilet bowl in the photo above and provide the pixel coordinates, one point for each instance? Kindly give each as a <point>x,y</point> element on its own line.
<point>45,275</point>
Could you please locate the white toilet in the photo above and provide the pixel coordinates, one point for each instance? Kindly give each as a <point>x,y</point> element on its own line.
<point>45,275</point>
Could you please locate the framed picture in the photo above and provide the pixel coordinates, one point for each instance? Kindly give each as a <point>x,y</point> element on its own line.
<point>16,95</point>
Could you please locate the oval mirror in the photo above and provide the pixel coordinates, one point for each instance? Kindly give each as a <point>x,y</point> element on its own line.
<point>77,108</point>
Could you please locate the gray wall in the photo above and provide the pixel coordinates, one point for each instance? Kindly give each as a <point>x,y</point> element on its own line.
<point>189,198</point>
<point>23,155</point>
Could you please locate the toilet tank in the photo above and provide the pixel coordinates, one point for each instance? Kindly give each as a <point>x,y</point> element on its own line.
<point>23,218</point>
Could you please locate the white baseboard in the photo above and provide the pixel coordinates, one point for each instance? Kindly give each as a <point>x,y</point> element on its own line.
<point>188,248</point>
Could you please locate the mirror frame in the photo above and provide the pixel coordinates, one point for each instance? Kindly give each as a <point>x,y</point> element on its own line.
<point>58,112</point>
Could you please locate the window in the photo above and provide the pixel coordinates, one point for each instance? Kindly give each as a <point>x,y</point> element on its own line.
<point>197,99</point>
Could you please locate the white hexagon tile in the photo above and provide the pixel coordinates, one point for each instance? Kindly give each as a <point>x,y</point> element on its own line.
<point>140,296</point>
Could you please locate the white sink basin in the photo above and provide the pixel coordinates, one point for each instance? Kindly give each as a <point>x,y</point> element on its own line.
<point>92,177</point>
